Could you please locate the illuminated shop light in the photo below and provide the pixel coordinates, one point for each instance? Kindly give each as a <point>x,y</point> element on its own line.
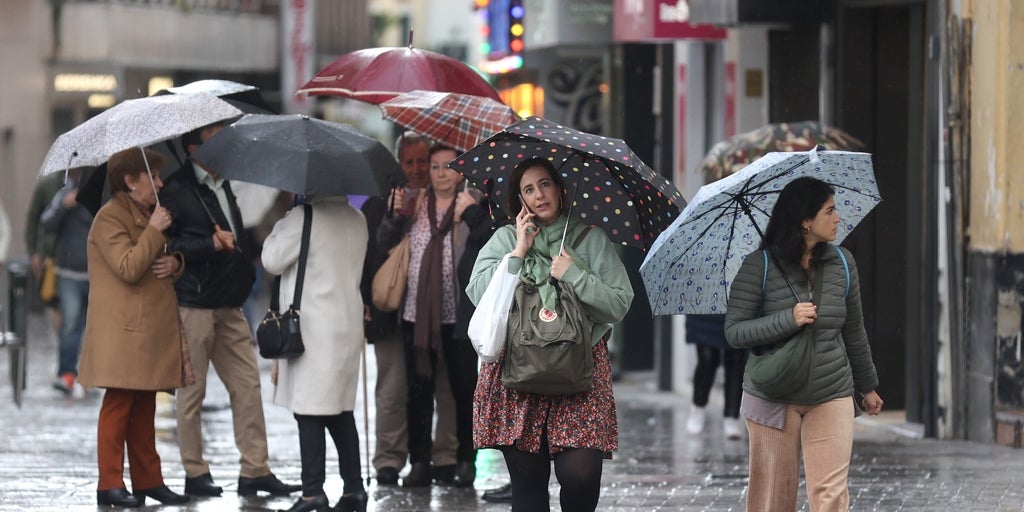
<point>503,65</point>
<point>84,82</point>
<point>101,100</point>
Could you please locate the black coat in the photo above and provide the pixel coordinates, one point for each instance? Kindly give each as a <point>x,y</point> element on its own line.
<point>212,279</point>
<point>381,324</point>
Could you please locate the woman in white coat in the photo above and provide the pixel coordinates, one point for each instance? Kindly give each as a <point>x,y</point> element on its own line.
<point>319,387</point>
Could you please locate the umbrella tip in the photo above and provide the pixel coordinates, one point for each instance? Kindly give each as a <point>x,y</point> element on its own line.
<point>410,38</point>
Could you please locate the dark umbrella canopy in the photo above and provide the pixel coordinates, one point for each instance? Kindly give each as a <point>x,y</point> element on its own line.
<point>375,75</point>
<point>612,187</point>
<point>244,97</point>
<point>300,154</point>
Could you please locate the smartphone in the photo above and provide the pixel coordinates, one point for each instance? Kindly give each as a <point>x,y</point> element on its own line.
<point>522,201</point>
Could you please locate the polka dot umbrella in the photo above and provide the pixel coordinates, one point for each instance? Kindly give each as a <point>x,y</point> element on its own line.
<point>609,185</point>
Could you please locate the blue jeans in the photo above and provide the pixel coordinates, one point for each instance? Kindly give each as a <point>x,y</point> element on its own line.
<point>74,298</point>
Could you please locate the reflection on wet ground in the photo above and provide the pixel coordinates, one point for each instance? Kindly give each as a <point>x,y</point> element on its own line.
<point>47,458</point>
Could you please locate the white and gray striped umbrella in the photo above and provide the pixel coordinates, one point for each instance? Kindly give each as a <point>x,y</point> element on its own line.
<point>691,265</point>
<point>134,123</point>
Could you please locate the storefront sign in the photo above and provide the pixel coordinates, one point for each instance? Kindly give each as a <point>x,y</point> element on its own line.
<point>297,55</point>
<point>646,20</point>
<point>567,22</point>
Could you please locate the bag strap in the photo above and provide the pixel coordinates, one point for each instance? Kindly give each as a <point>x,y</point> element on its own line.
<point>580,237</point>
<point>275,288</point>
<point>846,268</point>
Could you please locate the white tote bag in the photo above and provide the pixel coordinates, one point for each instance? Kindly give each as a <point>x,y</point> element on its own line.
<point>490,320</point>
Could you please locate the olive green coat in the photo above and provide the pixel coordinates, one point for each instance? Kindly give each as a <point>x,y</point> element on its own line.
<point>841,361</point>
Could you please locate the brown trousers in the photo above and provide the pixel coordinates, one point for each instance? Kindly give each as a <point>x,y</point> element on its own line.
<point>824,433</point>
<point>126,419</point>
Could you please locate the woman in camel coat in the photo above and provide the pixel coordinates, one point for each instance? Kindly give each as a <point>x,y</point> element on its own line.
<point>133,344</point>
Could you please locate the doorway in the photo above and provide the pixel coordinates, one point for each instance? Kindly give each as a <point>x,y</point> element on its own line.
<point>881,98</point>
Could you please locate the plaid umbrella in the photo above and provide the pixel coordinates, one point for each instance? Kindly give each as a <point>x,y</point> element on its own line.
<point>457,120</point>
<point>610,186</point>
<point>374,75</point>
<point>690,267</point>
<point>734,153</point>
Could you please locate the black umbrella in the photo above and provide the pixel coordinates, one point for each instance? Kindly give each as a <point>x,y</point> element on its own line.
<point>244,97</point>
<point>300,154</point>
<point>610,186</point>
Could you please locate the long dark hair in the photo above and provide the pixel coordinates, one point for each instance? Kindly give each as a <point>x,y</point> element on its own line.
<point>514,204</point>
<point>800,200</point>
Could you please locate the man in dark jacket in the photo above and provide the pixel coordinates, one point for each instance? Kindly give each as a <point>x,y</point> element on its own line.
<point>219,274</point>
<point>70,224</point>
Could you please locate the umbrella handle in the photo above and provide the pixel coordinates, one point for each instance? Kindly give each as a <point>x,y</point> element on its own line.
<point>67,170</point>
<point>149,172</point>
<point>746,210</point>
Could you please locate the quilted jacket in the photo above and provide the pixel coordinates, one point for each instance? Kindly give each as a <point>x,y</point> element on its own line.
<point>754,320</point>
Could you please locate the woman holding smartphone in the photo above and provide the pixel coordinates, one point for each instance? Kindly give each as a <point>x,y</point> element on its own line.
<point>577,431</point>
<point>439,233</point>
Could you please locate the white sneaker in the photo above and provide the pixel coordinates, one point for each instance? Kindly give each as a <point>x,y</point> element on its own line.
<point>732,429</point>
<point>695,423</point>
<point>78,391</point>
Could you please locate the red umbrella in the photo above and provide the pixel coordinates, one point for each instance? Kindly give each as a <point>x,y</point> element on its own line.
<point>375,75</point>
<point>457,120</point>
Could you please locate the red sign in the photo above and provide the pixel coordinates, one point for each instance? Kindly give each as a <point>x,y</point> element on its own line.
<point>730,99</point>
<point>644,20</point>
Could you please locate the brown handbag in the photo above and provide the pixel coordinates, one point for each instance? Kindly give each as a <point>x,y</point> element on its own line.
<point>391,278</point>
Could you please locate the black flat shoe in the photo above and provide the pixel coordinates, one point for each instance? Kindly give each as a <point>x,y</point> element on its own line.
<point>319,504</point>
<point>443,474</point>
<point>387,476</point>
<point>353,502</point>
<point>418,476</point>
<point>202,485</point>
<point>465,474</point>
<point>502,494</point>
<point>267,483</point>
<point>163,495</point>
<point>118,498</point>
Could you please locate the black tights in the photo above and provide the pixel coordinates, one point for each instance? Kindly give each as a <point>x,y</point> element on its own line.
<point>708,359</point>
<point>313,450</point>
<point>578,471</point>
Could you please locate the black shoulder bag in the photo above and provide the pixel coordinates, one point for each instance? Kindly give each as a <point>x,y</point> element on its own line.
<point>278,335</point>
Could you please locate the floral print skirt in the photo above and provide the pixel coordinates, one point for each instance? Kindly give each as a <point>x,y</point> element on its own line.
<point>506,417</point>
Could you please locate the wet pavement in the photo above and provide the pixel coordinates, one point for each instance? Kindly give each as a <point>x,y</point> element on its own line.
<point>47,457</point>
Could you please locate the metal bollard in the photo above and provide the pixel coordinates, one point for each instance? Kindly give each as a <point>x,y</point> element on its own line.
<point>13,336</point>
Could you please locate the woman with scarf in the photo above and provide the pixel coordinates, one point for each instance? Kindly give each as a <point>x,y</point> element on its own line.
<point>576,431</point>
<point>133,344</point>
<point>438,236</point>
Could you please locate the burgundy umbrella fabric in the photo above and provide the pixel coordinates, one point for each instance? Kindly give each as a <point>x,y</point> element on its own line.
<point>375,75</point>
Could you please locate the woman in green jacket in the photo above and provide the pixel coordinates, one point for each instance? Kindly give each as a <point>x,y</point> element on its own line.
<point>817,418</point>
<point>576,431</point>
